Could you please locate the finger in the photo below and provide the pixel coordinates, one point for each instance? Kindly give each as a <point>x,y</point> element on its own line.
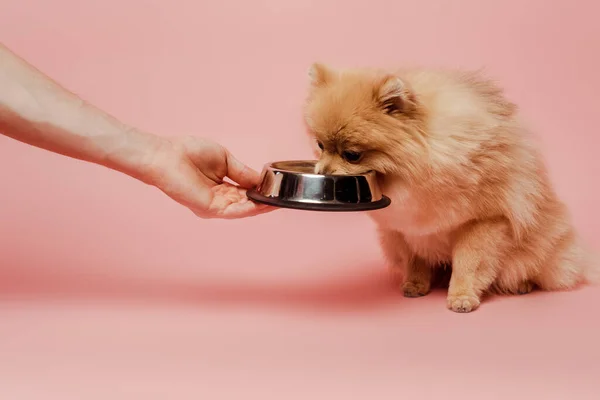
<point>230,202</point>
<point>245,210</point>
<point>240,173</point>
<point>237,211</point>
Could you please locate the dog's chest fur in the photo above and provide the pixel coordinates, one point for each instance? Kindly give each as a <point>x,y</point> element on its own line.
<point>427,229</point>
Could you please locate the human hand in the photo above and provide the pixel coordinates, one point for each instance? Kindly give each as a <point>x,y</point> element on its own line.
<point>192,170</point>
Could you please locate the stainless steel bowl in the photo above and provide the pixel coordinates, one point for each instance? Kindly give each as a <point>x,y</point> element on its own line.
<point>293,184</point>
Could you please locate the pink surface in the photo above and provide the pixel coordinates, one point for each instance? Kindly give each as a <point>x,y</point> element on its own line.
<point>110,290</point>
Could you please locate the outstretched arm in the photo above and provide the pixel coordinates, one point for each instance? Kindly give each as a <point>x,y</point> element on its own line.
<point>37,111</point>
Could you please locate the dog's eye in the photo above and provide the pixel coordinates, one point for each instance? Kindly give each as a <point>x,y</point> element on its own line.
<point>320,145</point>
<point>391,108</point>
<point>351,156</point>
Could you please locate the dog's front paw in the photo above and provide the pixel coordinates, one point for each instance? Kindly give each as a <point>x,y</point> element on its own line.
<point>463,303</point>
<point>415,289</point>
<point>524,287</point>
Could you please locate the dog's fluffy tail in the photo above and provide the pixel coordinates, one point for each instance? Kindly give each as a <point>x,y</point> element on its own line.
<point>591,274</point>
<point>591,268</point>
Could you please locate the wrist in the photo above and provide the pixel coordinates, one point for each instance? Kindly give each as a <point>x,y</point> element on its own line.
<point>134,153</point>
<point>119,146</point>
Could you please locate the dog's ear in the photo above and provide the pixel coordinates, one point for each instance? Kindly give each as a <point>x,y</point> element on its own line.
<point>320,75</point>
<point>394,96</point>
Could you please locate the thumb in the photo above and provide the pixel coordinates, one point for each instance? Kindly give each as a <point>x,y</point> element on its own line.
<point>241,174</point>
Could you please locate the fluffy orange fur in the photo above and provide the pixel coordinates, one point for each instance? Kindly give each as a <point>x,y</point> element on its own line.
<point>468,186</point>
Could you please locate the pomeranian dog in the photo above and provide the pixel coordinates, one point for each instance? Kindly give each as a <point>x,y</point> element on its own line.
<point>468,187</point>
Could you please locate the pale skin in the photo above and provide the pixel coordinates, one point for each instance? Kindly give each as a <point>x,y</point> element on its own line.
<point>37,111</point>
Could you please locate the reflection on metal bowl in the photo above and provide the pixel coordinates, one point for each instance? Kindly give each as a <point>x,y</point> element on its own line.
<point>293,184</point>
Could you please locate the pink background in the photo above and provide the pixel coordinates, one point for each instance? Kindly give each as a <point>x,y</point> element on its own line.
<point>110,290</point>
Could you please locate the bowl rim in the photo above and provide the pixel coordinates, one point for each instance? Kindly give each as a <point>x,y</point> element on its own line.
<point>272,166</point>
<point>255,196</point>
